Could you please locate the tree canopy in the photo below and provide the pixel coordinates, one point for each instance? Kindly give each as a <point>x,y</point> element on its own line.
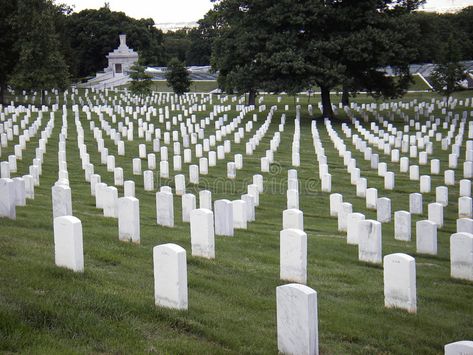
<point>177,76</point>
<point>41,65</point>
<point>8,38</point>
<point>94,33</point>
<point>449,72</point>
<point>140,80</point>
<point>292,45</point>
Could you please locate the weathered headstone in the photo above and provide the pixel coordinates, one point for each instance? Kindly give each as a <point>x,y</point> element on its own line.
<point>180,184</point>
<point>415,203</point>
<point>129,219</point>
<point>293,255</point>
<point>254,191</point>
<point>164,208</point>
<point>118,176</point>
<point>20,191</point>
<point>239,214</point>
<point>29,186</point>
<point>370,241</point>
<point>465,225</point>
<point>7,198</point>
<point>170,276</point>
<point>383,210</point>
<point>463,347</point>
<point>465,188</point>
<point>250,207</point>
<point>389,180</point>
<point>441,195</point>
<point>402,225</point>
<point>465,207</point>
<point>292,199</point>
<point>68,248</point>
<point>371,198</point>
<point>461,256</point>
<point>136,166</point>
<point>202,233</point>
<point>61,200</point>
<point>435,213</point>
<point>400,282</point>
<point>148,180</point>
<point>353,220</point>
<point>297,321</point>
<point>194,174</point>
<point>425,184</point>
<point>129,188</point>
<point>188,204</point>
<point>223,213</point>
<point>164,169</point>
<point>336,201</point>
<point>426,237</point>
<point>205,199</point>
<point>110,202</point>
<point>293,218</point>
<point>345,209</point>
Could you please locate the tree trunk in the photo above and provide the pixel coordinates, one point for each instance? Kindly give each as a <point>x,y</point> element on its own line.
<point>326,103</point>
<point>252,97</point>
<point>42,97</point>
<point>345,96</point>
<point>3,90</point>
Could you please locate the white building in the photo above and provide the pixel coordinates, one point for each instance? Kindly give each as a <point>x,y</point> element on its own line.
<point>122,58</point>
<point>119,63</point>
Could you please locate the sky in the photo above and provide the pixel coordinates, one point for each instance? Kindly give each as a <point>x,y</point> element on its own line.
<point>161,11</point>
<point>171,11</point>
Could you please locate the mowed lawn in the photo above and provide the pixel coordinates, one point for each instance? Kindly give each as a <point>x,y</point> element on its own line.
<point>232,299</point>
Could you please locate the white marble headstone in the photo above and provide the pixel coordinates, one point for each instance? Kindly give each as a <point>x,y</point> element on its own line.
<point>129,219</point>
<point>293,255</point>
<point>68,248</point>
<point>170,276</point>
<point>297,321</point>
<point>202,233</point>
<point>400,282</point>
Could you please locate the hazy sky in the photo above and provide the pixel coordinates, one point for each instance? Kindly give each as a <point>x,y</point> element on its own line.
<point>163,11</point>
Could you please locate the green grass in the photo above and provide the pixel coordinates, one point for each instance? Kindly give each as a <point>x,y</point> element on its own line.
<point>232,309</point>
<point>418,84</point>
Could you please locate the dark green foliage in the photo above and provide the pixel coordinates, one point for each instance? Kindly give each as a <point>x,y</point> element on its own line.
<point>140,80</point>
<point>192,46</point>
<point>449,72</point>
<point>176,44</point>
<point>435,29</point>
<point>292,45</point>
<point>8,38</point>
<point>41,65</point>
<point>177,76</point>
<point>94,33</point>
<point>200,48</point>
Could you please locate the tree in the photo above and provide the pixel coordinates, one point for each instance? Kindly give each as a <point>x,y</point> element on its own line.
<point>201,39</point>
<point>176,44</point>
<point>94,33</point>
<point>177,76</point>
<point>448,73</point>
<point>291,45</point>
<point>41,65</point>
<point>140,80</point>
<point>8,38</point>
<point>236,45</point>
